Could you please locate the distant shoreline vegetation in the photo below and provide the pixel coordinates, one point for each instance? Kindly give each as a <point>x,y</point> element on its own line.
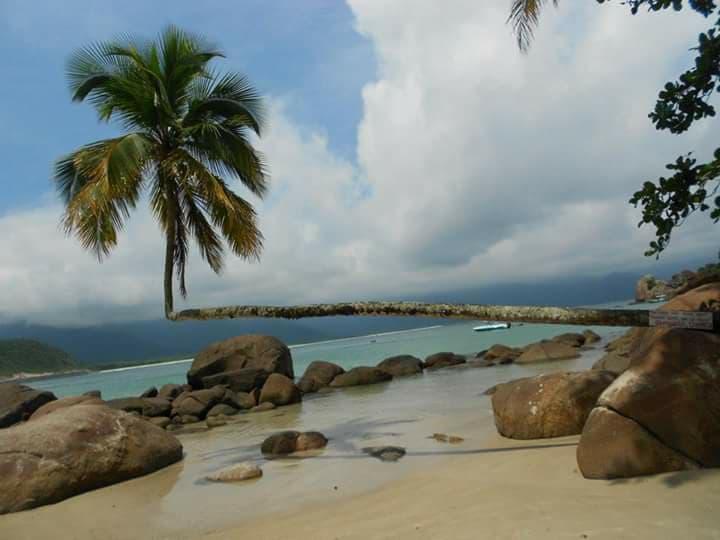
<point>29,356</point>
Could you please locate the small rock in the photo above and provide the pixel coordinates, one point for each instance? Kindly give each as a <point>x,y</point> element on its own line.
<point>310,440</point>
<point>150,392</point>
<point>443,359</point>
<point>267,406</point>
<point>215,421</point>
<point>385,453</point>
<point>319,375</point>
<point>289,442</point>
<point>280,390</point>
<point>222,409</point>
<point>236,473</point>
<point>159,421</point>
<point>442,437</point>
<point>170,391</point>
<point>188,419</point>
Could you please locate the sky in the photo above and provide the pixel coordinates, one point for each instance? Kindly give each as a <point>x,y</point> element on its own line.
<point>411,149</point>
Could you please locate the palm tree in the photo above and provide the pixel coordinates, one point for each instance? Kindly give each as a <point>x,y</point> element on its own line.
<point>524,18</point>
<point>187,128</point>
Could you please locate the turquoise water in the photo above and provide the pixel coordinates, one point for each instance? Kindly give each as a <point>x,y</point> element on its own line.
<point>350,352</point>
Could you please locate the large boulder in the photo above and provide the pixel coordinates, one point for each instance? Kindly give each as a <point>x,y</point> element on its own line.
<point>75,450</point>
<point>149,407</point>
<point>18,402</point>
<point>401,366</point>
<point>670,394</point>
<point>239,380</point>
<point>545,406</point>
<point>62,403</point>
<point>279,390</point>
<point>318,374</point>
<point>443,359</point>
<point>360,376</point>
<point>198,402</point>
<point>251,351</point>
<point>631,346</point>
<point>570,338</point>
<point>547,351</point>
<point>501,354</point>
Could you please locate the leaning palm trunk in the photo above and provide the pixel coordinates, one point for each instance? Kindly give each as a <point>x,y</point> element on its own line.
<point>528,314</point>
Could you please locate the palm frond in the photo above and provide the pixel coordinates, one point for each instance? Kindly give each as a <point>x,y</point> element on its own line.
<point>524,18</point>
<point>101,184</point>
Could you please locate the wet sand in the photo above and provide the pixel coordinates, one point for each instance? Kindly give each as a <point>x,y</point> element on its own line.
<point>484,487</point>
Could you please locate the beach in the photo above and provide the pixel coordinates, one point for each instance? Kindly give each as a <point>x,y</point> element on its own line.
<point>437,490</point>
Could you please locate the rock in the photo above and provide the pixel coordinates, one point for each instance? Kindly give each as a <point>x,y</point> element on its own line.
<point>78,449</point>
<point>401,366</point>
<point>215,421</point>
<point>18,402</point>
<point>442,437</point>
<point>239,400</point>
<point>571,338</point>
<point>671,392</point>
<point>547,351</point>
<point>648,287</point>
<point>360,376</point>
<point>251,351</point>
<point>318,375</point>
<point>170,391</point>
<point>150,393</point>
<point>222,410</point>
<point>62,403</point>
<point>443,360</point>
<point>385,453</point>
<point>263,407</point>
<point>630,347</point>
<point>501,354</point>
<point>239,380</point>
<point>613,362</point>
<point>591,337</point>
<point>310,440</point>
<point>490,391</point>
<point>198,402</point>
<point>145,406</point>
<point>280,390</point>
<point>613,446</point>
<point>188,419</point>
<point>288,442</point>
<point>236,473</point>
<point>160,421</point>
<point>552,405</point>
<point>93,393</point>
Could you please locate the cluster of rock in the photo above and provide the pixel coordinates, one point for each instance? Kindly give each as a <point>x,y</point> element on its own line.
<point>649,287</point>
<point>651,405</point>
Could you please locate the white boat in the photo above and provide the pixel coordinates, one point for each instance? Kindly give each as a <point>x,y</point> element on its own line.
<point>491,326</point>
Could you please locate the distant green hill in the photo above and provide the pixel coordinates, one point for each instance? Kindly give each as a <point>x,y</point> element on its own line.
<point>30,356</point>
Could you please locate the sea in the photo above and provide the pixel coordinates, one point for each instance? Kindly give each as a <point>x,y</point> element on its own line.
<point>348,352</point>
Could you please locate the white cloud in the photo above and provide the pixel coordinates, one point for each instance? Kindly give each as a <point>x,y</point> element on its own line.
<point>474,165</point>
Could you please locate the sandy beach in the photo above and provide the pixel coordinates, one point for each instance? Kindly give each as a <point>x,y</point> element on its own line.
<point>484,487</point>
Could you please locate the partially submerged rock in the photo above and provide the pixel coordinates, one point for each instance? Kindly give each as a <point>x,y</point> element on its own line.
<point>547,351</point>
<point>78,449</point>
<point>318,374</point>
<point>501,354</point>
<point>360,376</point>
<point>385,453</point>
<point>571,338</point>
<point>443,359</point>
<point>236,473</point>
<point>552,405</point>
<point>18,402</point>
<point>266,353</point>
<point>401,366</point>
<point>280,390</point>
<point>289,442</point>
<point>591,337</point>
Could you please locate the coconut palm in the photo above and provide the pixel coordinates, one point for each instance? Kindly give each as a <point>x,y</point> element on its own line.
<point>524,18</point>
<point>187,131</point>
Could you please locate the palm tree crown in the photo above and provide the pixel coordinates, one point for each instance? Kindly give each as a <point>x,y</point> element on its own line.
<point>188,129</point>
